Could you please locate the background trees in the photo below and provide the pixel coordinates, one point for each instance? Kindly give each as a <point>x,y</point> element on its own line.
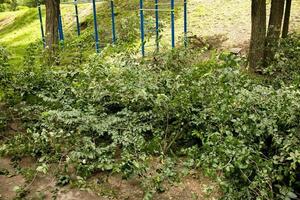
<point>11,5</point>
<point>257,42</point>
<point>263,41</point>
<point>286,21</point>
<point>52,15</point>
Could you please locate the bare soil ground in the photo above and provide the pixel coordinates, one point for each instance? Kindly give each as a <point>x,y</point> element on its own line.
<point>99,187</point>
<point>102,186</point>
<point>228,20</point>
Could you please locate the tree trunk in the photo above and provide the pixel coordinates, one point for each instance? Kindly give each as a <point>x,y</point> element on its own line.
<point>274,29</point>
<point>275,23</point>
<point>52,15</point>
<point>287,15</point>
<point>258,34</point>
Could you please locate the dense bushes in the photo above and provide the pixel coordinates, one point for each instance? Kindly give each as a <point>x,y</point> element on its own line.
<point>3,7</point>
<point>30,3</point>
<point>3,69</point>
<point>113,112</point>
<point>249,133</point>
<point>8,5</point>
<point>3,57</point>
<point>286,64</point>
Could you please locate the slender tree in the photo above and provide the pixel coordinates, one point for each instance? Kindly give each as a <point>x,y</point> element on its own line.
<point>287,15</point>
<point>274,29</point>
<point>258,34</point>
<point>52,15</point>
<point>276,16</point>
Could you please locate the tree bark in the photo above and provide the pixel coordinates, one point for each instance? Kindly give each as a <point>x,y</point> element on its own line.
<point>275,22</point>
<point>258,34</point>
<point>52,15</point>
<point>287,15</point>
<point>274,29</point>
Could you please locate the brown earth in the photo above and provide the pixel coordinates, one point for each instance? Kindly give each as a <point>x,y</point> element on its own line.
<point>100,187</point>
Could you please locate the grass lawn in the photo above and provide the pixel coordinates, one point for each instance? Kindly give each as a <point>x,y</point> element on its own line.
<point>20,28</point>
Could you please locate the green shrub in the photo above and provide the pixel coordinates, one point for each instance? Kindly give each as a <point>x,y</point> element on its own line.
<point>4,7</point>
<point>3,57</point>
<point>114,112</point>
<point>249,136</point>
<point>13,5</point>
<point>4,76</point>
<point>3,121</point>
<point>30,3</point>
<point>4,71</point>
<point>286,64</point>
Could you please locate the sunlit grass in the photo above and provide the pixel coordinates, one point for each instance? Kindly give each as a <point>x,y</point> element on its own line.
<point>4,15</point>
<point>22,31</point>
<point>20,28</point>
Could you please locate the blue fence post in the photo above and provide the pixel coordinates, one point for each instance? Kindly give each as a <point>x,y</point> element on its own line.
<point>173,23</point>
<point>77,17</point>
<point>113,21</point>
<point>142,28</point>
<point>42,26</point>
<point>96,26</point>
<point>60,28</point>
<point>157,25</point>
<point>185,23</point>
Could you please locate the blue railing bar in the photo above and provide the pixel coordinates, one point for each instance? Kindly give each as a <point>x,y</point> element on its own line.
<point>42,27</point>
<point>168,3</point>
<point>185,23</point>
<point>157,25</point>
<point>172,24</point>
<point>159,10</point>
<point>142,28</point>
<point>60,28</point>
<point>101,1</point>
<point>96,26</point>
<point>113,21</point>
<point>77,17</point>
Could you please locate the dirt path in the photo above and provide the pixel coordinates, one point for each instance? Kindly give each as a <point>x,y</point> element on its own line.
<point>229,19</point>
<point>99,187</point>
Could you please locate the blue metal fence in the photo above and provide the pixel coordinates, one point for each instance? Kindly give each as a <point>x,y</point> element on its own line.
<point>173,23</point>
<point>157,9</point>
<point>157,25</point>
<point>41,25</point>
<point>142,10</point>
<point>112,7</point>
<point>77,17</point>
<point>142,27</point>
<point>185,29</point>
<point>60,29</point>
<point>96,27</point>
